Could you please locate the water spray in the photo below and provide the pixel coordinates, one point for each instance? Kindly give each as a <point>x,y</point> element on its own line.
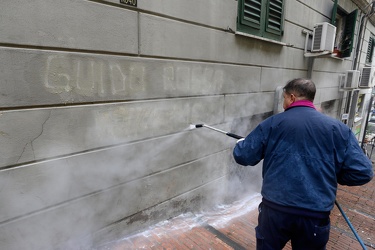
<point>337,204</point>
<point>217,130</point>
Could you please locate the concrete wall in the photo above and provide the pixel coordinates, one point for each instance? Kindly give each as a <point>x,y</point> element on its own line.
<point>96,102</point>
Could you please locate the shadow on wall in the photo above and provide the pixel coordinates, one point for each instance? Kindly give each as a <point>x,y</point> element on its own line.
<point>245,180</point>
<point>244,125</point>
<point>328,107</point>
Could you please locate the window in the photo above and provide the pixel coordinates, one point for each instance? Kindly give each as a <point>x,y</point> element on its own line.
<point>264,18</point>
<point>370,49</point>
<point>345,27</point>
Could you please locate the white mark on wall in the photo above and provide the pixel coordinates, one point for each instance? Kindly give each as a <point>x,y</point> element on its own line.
<point>89,78</point>
<point>169,78</point>
<point>93,78</point>
<point>58,75</point>
<point>196,80</point>
<point>137,78</point>
<point>118,80</point>
<point>96,77</point>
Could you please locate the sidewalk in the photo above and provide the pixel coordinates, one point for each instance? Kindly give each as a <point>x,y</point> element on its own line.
<point>232,227</point>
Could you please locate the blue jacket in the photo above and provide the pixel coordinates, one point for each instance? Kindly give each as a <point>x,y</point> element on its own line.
<point>306,154</point>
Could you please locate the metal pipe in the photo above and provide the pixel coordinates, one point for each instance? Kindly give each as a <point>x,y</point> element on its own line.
<point>218,130</point>
<point>366,122</point>
<point>351,226</point>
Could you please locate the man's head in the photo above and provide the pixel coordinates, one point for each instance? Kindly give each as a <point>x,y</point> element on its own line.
<point>298,89</point>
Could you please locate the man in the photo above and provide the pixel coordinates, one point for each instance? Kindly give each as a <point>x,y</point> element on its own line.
<point>306,154</point>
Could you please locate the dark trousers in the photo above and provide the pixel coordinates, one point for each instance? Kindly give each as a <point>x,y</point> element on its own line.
<point>276,228</point>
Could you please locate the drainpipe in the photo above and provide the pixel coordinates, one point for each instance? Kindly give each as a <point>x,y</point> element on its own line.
<point>310,65</point>
<point>367,119</point>
<point>363,25</point>
<point>352,95</point>
<point>359,42</point>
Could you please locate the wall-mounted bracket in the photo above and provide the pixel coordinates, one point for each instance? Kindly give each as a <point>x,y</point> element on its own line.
<point>318,54</point>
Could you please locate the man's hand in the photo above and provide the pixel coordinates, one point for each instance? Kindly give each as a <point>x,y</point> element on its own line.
<point>240,140</point>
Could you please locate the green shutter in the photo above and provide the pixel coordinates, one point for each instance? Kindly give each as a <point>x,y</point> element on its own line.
<point>334,12</point>
<point>261,17</point>
<point>274,17</point>
<point>370,50</point>
<point>250,16</point>
<point>348,37</point>
<point>252,13</point>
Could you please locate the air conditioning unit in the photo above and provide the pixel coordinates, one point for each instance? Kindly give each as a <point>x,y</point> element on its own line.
<point>351,79</point>
<point>366,77</point>
<point>323,37</point>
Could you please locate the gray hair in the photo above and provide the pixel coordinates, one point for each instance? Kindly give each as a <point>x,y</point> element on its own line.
<point>301,87</point>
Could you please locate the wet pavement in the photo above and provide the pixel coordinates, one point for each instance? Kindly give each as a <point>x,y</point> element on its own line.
<point>233,226</point>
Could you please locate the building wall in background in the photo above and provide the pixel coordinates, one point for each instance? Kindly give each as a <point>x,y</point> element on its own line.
<point>96,102</point>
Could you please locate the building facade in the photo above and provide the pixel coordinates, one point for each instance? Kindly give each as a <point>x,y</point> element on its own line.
<point>97,98</point>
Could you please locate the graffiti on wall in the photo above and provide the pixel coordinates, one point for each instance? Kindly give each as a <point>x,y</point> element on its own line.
<point>102,78</point>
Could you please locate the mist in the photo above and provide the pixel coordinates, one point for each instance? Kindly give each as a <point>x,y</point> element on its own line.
<point>91,197</point>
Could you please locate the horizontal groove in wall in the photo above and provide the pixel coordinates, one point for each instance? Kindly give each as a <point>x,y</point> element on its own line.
<point>98,103</point>
<point>299,25</point>
<point>143,11</point>
<point>145,56</point>
<point>92,150</point>
<point>314,10</point>
<point>115,102</point>
<point>62,49</point>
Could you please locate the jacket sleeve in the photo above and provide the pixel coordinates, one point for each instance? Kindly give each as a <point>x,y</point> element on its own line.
<point>251,150</point>
<point>357,167</point>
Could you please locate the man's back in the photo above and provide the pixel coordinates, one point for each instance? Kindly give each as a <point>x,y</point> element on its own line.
<point>305,153</point>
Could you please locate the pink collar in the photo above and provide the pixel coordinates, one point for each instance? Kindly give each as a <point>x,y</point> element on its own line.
<point>301,103</point>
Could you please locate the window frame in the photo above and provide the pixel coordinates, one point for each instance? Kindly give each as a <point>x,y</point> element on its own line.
<point>346,42</point>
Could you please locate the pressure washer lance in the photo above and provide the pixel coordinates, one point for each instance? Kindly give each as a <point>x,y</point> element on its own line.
<point>217,130</point>
<point>337,204</point>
